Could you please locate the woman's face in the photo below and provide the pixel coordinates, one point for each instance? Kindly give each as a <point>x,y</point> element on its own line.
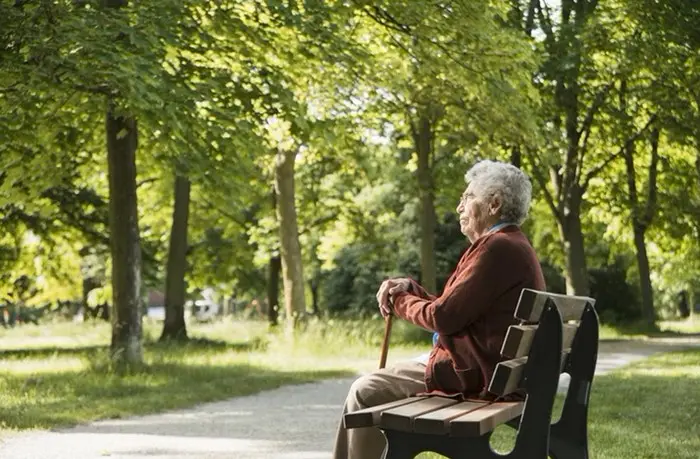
<point>476,215</point>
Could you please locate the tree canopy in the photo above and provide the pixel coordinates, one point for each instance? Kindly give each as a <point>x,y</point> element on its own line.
<point>324,143</point>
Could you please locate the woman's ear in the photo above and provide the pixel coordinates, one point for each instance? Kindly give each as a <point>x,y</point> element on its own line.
<point>495,205</point>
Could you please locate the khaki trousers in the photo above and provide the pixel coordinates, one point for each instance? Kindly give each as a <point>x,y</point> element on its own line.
<point>382,386</point>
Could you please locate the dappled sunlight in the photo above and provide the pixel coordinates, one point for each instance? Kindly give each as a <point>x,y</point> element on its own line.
<point>689,325</point>
<point>55,334</point>
<point>55,365</point>
<point>679,372</point>
<point>624,402</point>
<point>49,386</point>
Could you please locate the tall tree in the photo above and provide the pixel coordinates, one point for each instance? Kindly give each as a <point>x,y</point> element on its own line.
<point>447,73</point>
<point>564,182</point>
<point>174,327</point>
<point>643,211</point>
<point>576,80</point>
<point>124,237</point>
<point>423,134</point>
<point>125,241</point>
<point>290,250</point>
<point>669,43</point>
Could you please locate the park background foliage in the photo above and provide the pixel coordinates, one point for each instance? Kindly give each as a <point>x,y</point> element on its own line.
<point>286,156</point>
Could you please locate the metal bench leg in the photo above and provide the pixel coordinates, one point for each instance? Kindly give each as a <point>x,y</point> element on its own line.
<point>402,445</point>
<point>399,445</point>
<point>540,381</point>
<point>569,435</point>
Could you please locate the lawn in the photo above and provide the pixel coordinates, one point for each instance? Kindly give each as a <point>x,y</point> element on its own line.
<point>59,374</point>
<point>664,328</point>
<point>647,410</point>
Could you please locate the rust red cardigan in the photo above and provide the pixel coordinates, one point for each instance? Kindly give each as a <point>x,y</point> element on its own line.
<point>474,311</point>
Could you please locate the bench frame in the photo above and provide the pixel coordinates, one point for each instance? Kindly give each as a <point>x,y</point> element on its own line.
<point>536,437</point>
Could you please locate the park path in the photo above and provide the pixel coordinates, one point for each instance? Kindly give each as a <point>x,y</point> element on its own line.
<point>292,422</point>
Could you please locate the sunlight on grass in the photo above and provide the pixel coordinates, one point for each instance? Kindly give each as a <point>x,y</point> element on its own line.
<point>650,409</point>
<point>642,331</point>
<point>55,334</point>
<point>31,366</point>
<point>60,373</point>
<point>689,325</point>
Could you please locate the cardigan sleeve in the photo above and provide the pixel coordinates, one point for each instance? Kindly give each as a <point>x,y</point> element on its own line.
<point>475,288</point>
<point>417,290</point>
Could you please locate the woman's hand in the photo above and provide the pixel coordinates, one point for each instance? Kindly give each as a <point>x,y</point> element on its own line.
<point>389,288</point>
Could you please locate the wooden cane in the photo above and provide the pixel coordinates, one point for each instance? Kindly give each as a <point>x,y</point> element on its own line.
<point>385,343</point>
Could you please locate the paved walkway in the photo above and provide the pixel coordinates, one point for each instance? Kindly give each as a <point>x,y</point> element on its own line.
<point>266,425</point>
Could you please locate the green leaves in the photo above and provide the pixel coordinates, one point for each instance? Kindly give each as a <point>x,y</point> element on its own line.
<point>218,87</point>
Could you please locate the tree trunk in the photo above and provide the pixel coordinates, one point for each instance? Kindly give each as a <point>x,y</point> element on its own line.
<point>125,244</point>
<point>697,177</point>
<point>644,275</point>
<point>313,285</point>
<point>642,218</point>
<point>572,237</point>
<point>516,156</point>
<point>89,284</point>
<point>315,281</point>
<point>273,289</point>
<point>174,327</point>
<point>290,249</point>
<point>566,49</point>
<point>423,138</point>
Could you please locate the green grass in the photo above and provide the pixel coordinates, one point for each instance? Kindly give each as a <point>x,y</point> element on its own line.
<point>668,328</point>
<point>647,410</point>
<point>689,325</point>
<point>44,389</point>
<point>59,374</point>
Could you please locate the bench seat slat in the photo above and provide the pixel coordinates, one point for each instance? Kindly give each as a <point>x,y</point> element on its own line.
<point>485,419</point>
<point>519,339</point>
<point>370,416</point>
<point>401,418</point>
<point>438,422</point>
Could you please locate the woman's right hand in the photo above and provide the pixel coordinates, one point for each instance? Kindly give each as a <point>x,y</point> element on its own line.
<point>389,288</point>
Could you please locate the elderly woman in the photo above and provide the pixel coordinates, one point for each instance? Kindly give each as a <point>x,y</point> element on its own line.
<point>469,318</point>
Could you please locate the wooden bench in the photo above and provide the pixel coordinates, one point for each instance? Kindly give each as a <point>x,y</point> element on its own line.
<point>556,334</point>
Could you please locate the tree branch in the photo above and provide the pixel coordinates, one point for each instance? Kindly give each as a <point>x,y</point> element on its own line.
<point>542,181</point>
<point>545,20</point>
<point>383,18</point>
<point>146,181</point>
<point>11,88</point>
<point>650,208</point>
<point>102,89</point>
<point>592,110</point>
<point>586,127</point>
<point>318,222</point>
<point>226,214</point>
<point>596,170</point>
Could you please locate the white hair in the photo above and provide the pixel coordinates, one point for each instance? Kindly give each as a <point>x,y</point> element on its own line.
<point>489,178</point>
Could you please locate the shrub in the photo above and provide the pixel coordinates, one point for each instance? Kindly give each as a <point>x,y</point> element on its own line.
<point>616,300</point>
<point>553,278</point>
<point>360,268</point>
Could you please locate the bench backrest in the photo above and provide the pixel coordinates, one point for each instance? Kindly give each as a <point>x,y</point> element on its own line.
<point>508,375</point>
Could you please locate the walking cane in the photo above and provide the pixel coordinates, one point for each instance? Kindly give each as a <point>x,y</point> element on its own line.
<point>385,343</point>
